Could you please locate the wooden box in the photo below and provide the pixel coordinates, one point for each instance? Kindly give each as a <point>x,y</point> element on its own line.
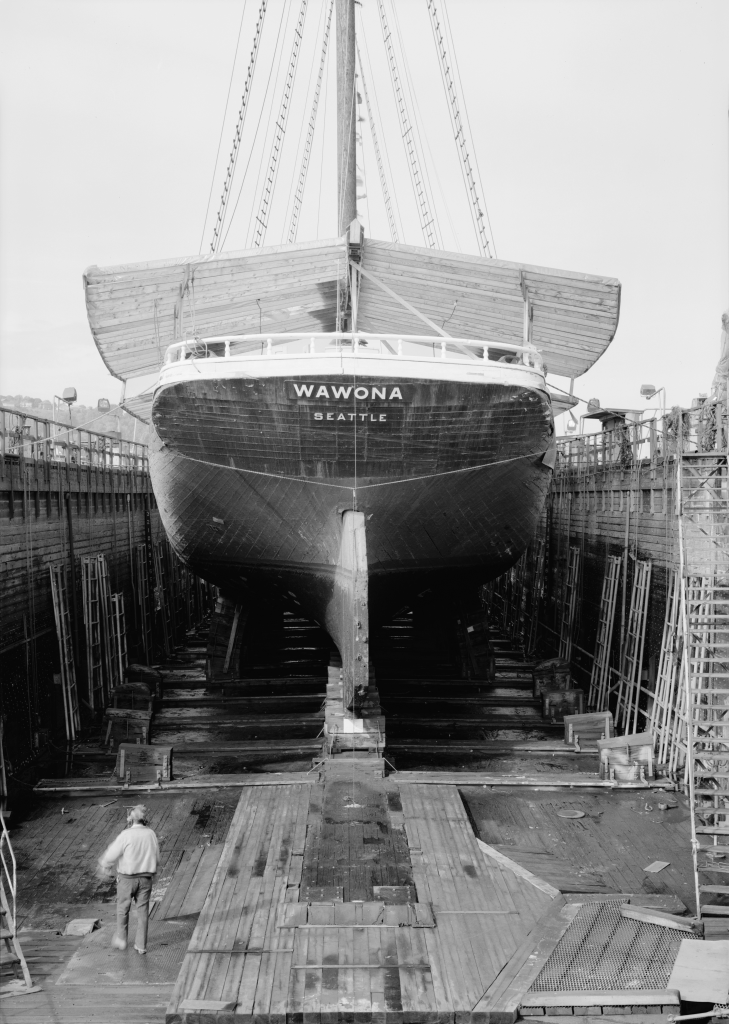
<point>627,759</point>
<point>138,762</point>
<point>558,703</point>
<point>583,731</point>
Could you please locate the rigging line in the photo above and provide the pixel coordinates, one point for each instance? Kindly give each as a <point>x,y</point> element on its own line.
<point>454,51</point>
<point>406,130</point>
<point>459,133</point>
<point>422,134</point>
<point>269,118</point>
<point>323,146</point>
<point>233,160</point>
<point>362,487</point>
<point>378,117</point>
<point>261,221</point>
<point>378,157</point>
<point>222,128</point>
<point>255,136</point>
<point>302,127</point>
<point>301,184</point>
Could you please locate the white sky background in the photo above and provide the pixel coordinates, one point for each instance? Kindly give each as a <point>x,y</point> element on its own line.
<point>600,128</point>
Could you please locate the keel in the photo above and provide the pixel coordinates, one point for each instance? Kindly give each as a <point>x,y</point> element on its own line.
<point>347,615</point>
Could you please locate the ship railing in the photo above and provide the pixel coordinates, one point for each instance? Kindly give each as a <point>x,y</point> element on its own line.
<point>650,441</point>
<point>25,436</point>
<point>398,346</point>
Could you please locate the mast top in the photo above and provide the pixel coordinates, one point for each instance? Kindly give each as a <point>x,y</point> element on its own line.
<point>346,116</point>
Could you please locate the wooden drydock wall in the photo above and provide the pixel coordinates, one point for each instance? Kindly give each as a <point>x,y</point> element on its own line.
<point>624,511</point>
<point>107,516</point>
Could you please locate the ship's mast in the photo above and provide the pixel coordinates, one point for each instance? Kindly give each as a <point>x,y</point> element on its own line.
<point>346,116</point>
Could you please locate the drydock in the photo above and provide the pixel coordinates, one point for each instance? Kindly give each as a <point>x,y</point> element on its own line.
<point>428,707</point>
<point>456,849</point>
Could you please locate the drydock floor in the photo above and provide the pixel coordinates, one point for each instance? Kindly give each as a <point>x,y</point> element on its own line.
<point>338,894</point>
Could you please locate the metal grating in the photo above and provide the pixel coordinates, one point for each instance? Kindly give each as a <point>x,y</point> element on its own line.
<point>602,951</point>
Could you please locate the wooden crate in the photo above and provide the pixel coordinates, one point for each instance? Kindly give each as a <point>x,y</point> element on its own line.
<point>558,703</point>
<point>628,758</point>
<point>583,731</point>
<point>139,762</point>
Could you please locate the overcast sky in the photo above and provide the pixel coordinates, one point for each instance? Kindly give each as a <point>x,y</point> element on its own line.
<point>599,127</point>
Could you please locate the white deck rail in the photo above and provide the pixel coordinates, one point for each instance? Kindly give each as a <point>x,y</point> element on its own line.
<point>358,344</point>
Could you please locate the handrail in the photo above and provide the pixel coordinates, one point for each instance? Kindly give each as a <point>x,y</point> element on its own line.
<point>35,437</point>
<point>228,345</point>
<point>703,428</point>
<point>12,879</point>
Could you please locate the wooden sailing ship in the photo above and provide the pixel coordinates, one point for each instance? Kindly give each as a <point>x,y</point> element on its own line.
<point>319,432</point>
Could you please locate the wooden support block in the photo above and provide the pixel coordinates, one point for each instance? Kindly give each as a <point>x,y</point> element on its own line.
<point>207,1005</point>
<point>627,758</point>
<point>626,999</point>
<point>634,913</point>
<point>583,731</point>
<point>558,703</point>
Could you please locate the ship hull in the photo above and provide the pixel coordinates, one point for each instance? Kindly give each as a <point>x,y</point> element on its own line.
<point>253,479</point>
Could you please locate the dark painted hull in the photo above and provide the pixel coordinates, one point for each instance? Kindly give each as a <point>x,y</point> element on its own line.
<point>252,485</point>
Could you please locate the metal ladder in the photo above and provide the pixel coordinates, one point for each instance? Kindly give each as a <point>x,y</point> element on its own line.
<point>8,920</point>
<point>600,675</point>
<point>62,616</point>
<point>569,605</point>
<point>703,522</point>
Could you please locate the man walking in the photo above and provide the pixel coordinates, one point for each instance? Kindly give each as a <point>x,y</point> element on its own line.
<point>135,852</point>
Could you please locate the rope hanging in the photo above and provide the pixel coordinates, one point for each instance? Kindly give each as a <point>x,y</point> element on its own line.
<point>459,132</point>
<point>261,221</point>
<point>218,229</point>
<point>301,184</point>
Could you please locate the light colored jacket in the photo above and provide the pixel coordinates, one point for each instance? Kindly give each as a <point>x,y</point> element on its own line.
<point>135,851</point>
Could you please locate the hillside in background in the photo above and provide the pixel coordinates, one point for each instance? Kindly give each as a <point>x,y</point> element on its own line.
<point>89,416</point>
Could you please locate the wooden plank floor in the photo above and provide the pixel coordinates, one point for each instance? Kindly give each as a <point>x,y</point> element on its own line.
<point>253,955</point>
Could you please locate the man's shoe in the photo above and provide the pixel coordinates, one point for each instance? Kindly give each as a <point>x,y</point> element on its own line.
<point>118,943</point>
<point>140,951</point>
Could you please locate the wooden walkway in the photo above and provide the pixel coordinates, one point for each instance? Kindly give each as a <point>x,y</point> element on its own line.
<point>259,951</point>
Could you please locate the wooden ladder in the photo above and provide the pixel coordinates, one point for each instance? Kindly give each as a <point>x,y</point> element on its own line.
<point>62,616</point>
<point>668,715</point>
<point>600,675</point>
<point>703,516</point>
<point>8,921</point>
<point>120,654</point>
<point>629,687</point>
<point>94,631</point>
<point>143,599</point>
<point>535,596</point>
<point>163,601</point>
<point>569,605</point>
